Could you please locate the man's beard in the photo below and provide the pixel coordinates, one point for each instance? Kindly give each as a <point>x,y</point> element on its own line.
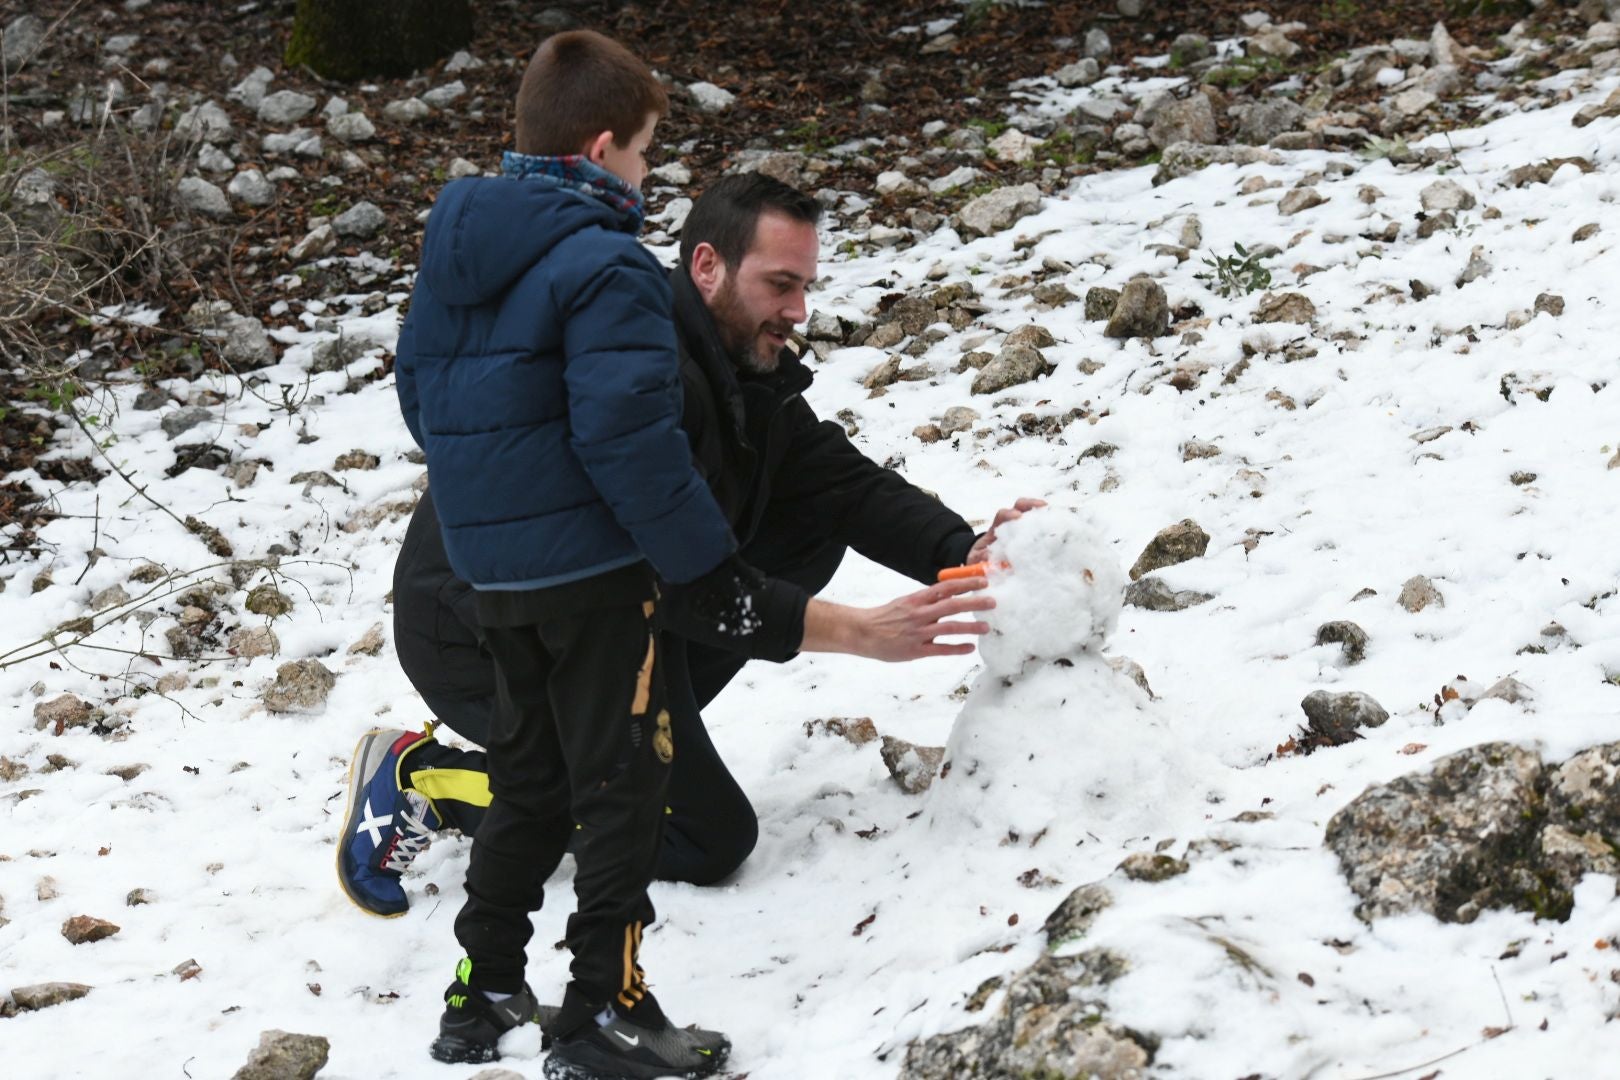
<point>741,336</point>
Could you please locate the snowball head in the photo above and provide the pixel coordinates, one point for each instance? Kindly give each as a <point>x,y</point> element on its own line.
<point>1058,590</point>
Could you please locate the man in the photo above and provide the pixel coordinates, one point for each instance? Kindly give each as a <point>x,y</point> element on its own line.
<point>798,495</point>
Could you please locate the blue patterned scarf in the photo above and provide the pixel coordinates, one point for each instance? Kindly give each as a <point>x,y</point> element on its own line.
<point>575,172</point>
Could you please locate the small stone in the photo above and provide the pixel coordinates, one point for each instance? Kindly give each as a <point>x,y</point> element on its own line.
<point>1193,449</point>
<point>62,711</point>
<point>269,601</point>
<point>406,111</point>
<point>1413,102</point>
<point>1152,594</point>
<point>110,597</point>
<point>1014,146</point>
<point>1100,303</point>
<point>1082,72</point>
<point>1608,110</point>
<point>1053,294</point>
<point>1191,120</point>
<point>139,897</point>
<point>212,159</point>
<point>1097,46</point>
<point>1174,544</point>
<point>285,107</point>
<point>1446,195</point>
<point>1551,303</point>
<point>361,221</point>
<point>884,375</point>
<point>1585,232</point>
<point>673,173</point>
<point>710,98</point>
<point>1012,366</point>
<point>1285,307</point>
<point>1146,866</point>
<point>351,127</point>
<point>284,1056</point>
<point>252,188</point>
<point>460,61</point>
<point>1298,200</point>
<point>251,90</point>
<point>1478,266</point>
<point>82,929</point>
<point>496,1074</point>
<point>1510,690</point>
<point>913,767</point>
<point>45,995</point>
<point>1143,310</point>
<point>201,197</point>
<point>927,433</point>
<point>1345,633</point>
<point>315,244</point>
<point>356,459</point>
<point>206,123</point>
<point>998,210</point>
<point>1337,718</point>
<point>442,96</point>
<point>300,686</point>
<point>370,643</point>
<point>249,642</point>
<point>1418,593</point>
<point>957,419</point>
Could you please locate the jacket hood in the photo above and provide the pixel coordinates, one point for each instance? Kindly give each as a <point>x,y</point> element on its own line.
<point>486,232</point>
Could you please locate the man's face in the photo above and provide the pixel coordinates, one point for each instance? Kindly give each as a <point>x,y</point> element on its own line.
<point>757,303</point>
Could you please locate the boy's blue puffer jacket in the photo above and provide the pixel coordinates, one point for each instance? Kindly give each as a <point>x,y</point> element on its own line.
<point>538,371</point>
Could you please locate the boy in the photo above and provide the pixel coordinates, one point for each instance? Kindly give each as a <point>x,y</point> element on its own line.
<point>538,370</point>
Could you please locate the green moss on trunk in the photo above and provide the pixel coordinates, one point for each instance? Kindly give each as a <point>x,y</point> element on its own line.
<point>356,39</point>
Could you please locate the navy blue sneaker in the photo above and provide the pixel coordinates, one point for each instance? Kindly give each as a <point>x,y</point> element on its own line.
<point>387,826</point>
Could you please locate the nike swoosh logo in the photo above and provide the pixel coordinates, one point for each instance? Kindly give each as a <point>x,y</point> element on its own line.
<point>633,1040</point>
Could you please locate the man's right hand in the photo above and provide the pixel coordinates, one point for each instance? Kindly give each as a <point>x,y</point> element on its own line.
<point>903,629</point>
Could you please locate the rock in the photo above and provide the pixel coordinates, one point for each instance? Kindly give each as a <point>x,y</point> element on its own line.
<point>957,419</point>
<point>884,375</point>
<point>496,1074</point>
<point>249,642</point>
<point>998,210</point>
<point>183,420</point>
<point>1413,102</point>
<point>1190,120</point>
<point>1446,195</point>
<point>246,344</point>
<point>1585,232</point>
<point>1189,49</point>
<point>1174,544</point>
<point>1150,867</point>
<point>361,221</point>
<point>441,97</point>
<point>1335,719</point>
<point>460,61</point>
<point>213,159</point>
<point>351,127</point>
<point>1014,146</point>
<point>1152,594</point>
<point>140,897</point>
<point>1194,449</point>
<point>110,597</point>
<point>1418,593</point>
<point>300,686</point>
<point>1273,43</point>
<point>710,98</point>
<point>316,243</point>
<point>1013,366</point>
<point>1478,266</point>
<point>1451,842</point>
<point>1544,171</point>
<point>1082,72</point>
<point>1551,303</point>
<point>370,643</point>
<point>1143,310</point>
<point>1444,221</point>
<point>1100,303</point>
<point>892,183</point>
<point>913,767</point>
<point>1285,307</point>
<point>269,601</point>
<point>200,197</point>
<point>1184,159</point>
<point>1352,637</point>
<point>252,188</point>
<point>44,995</point>
<point>1298,200</point>
<point>927,433</point>
<point>62,711</point>
<point>205,123</point>
<point>1053,294</point>
<point>406,111</point>
<point>1097,46</point>
<point>1443,49</point>
<point>1031,334</point>
<point>82,929</point>
<point>251,90</point>
<point>1263,121</point>
<point>339,353</point>
<point>285,107</point>
<point>672,173</point>
<point>356,459</point>
<point>283,1056</point>
<point>23,35</point>
<point>1132,139</point>
<point>1608,110</point>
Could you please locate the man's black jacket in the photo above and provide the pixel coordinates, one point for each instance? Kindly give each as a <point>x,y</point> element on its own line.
<point>774,468</point>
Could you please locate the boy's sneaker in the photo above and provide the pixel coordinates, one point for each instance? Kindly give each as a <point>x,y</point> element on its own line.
<point>712,1044</point>
<point>472,1025</point>
<point>622,1050</point>
<point>386,827</point>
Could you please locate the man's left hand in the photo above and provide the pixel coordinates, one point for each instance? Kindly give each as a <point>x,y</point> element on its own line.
<point>981,549</point>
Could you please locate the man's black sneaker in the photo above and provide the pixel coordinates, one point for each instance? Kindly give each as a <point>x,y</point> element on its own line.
<point>472,1024</point>
<point>713,1044</point>
<point>621,1050</point>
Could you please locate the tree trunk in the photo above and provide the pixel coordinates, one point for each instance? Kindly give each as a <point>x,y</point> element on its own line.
<point>356,39</point>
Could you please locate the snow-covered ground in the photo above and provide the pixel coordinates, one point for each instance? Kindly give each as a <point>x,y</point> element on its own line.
<point>836,944</point>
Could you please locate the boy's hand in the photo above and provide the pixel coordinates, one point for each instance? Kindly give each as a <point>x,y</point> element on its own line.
<point>981,548</point>
<point>908,628</point>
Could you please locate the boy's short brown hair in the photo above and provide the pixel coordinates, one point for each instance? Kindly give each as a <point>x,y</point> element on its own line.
<point>578,85</point>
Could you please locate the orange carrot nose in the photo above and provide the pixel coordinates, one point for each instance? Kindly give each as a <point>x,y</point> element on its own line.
<point>971,570</point>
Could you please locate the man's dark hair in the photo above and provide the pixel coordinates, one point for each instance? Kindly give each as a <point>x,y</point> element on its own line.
<point>726,214</point>
<point>578,85</point>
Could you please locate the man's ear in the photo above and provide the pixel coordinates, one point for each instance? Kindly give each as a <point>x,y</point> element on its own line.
<point>708,270</point>
<point>596,149</point>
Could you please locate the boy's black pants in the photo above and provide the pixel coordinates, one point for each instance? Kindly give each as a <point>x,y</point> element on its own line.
<point>581,733</point>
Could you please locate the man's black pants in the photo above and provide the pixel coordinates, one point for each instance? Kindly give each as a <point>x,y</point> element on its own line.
<point>580,740</point>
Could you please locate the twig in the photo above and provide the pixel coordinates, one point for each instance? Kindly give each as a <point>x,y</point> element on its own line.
<point>139,490</point>
<point>95,540</point>
<point>1423,1064</point>
<point>1503,993</point>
